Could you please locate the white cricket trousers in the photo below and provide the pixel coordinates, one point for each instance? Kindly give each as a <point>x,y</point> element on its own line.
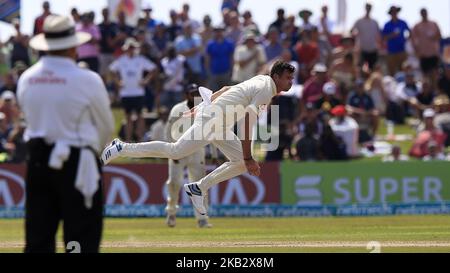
<point>195,165</point>
<point>230,146</point>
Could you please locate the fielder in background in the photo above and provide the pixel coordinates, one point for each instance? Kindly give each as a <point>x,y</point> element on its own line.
<point>69,120</point>
<point>214,121</point>
<point>194,163</point>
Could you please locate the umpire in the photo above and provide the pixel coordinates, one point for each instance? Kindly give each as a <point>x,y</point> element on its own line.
<point>69,121</point>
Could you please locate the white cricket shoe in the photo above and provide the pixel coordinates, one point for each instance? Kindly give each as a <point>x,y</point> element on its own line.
<point>112,151</point>
<point>196,196</point>
<point>171,220</point>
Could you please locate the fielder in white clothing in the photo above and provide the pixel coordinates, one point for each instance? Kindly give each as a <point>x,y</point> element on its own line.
<point>213,123</point>
<point>194,163</point>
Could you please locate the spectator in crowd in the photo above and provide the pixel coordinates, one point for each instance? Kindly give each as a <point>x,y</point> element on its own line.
<point>346,45</point>
<point>272,45</point>
<point>157,130</point>
<point>248,58</point>
<point>19,42</point>
<point>189,44</point>
<point>394,35</point>
<point>375,88</point>
<point>367,33</point>
<point>312,90</point>
<point>309,118</point>
<point>108,32</point>
<point>424,99</point>
<point>427,132</point>
<point>363,110</point>
<point>396,155</point>
<point>39,21</point>
<point>331,146</point>
<point>248,24</point>
<point>325,48</point>
<point>173,65</point>
<point>89,52</point>
<point>346,128</point>
<point>441,105</point>
<point>8,106</point>
<point>206,31</point>
<point>160,37</point>
<point>230,5</point>
<point>308,146</point>
<point>234,30</point>
<point>124,31</point>
<point>10,83</point>
<point>284,146</point>
<point>327,101</point>
<point>444,80</point>
<point>324,24</point>
<point>185,19</point>
<point>407,91</point>
<point>18,144</point>
<point>305,15</point>
<point>290,31</point>
<point>6,148</point>
<point>307,50</point>
<point>434,153</point>
<point>129,76</point>
<point>75,15</point>
<point>174,29</point>
<point>150,22</point>
<point>219,59</point>
<point>278,23</point>
<point>344,72</point>
<point>426,38</point>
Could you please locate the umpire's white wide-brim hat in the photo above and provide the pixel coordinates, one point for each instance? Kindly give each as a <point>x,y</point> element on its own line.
<point>58,34</point>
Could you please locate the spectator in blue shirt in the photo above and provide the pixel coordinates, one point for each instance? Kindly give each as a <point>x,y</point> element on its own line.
<point>272,46</point>
<point>394,35</point>
<point>219,53</point>
<point>189,45</point>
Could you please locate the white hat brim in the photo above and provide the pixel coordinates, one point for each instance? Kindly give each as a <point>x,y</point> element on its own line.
<point>39,42</point>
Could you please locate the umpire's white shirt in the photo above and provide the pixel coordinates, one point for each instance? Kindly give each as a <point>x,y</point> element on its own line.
<point>65,103</point>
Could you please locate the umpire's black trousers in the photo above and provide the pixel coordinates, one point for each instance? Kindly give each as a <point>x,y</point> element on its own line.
<point>51,196</point>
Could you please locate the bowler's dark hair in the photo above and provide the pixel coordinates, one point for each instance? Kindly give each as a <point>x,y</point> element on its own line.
<point>280,66</point>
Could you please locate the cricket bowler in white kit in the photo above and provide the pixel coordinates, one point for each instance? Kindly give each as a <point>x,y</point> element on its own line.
<point>213,123</point>
<point>194,163</point>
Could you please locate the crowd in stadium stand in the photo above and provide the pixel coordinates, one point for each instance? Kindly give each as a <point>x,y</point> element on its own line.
<point>345,84</point>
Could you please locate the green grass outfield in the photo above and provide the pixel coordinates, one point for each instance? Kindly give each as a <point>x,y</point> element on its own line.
<point>330,234</point>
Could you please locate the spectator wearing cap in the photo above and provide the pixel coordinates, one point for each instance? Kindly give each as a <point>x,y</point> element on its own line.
<point>346,128</point>
<point>307,50</point>
<point>189,44</point>
<point>108,32</point>
<point>235,29</point>
<point>426,39</point>
<point>219,59</point>
<point>272,45</point>
<point>444,80</point>
<point>248,24</point>
<point>8,106</point>
<point>173,65</point>
<point>362,108</point>
<point>367,33</point>
<point>328,100</point>
<point>129,70</point>
<point>427,132</point>
<point>151,23</point>
<point>19,42</point>
<point>394,35</point>
<point>312,89</point>
<point>305,15</point>
<point>89,52</point>
<point>278,23</point>
<point>39,21</point>
<point>248,58</point>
